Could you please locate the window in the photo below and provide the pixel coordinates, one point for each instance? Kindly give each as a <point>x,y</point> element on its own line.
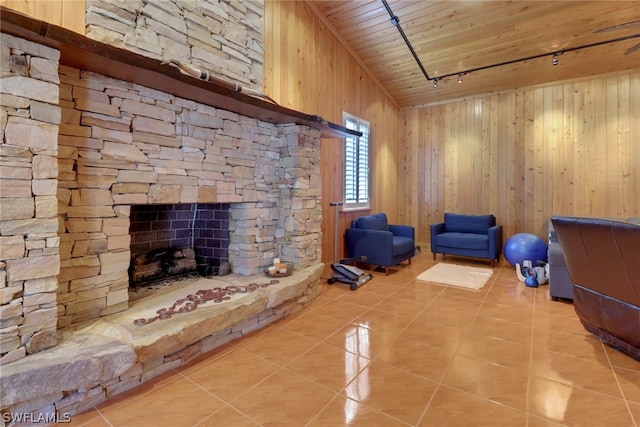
<point>356,164</point>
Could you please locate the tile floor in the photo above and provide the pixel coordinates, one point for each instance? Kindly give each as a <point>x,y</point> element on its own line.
<point>399,352</point>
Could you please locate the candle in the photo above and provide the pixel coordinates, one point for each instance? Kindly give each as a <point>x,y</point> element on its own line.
<point>272,269</point>
<point>276,261</point>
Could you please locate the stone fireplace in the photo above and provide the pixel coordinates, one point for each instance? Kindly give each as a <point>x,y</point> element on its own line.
<point>80,153</point>
<point>121,145</point>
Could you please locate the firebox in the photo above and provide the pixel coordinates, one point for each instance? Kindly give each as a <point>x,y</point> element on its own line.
<point>170,240</point>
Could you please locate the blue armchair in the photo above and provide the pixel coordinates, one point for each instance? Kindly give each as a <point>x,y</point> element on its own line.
<point>383,244</point>
<point>475,236</point>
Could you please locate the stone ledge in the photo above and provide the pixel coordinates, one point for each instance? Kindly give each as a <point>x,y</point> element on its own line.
<point>75,364</point>
<point>163,337</point>
<point>78,51</point>
<point>97,354</point>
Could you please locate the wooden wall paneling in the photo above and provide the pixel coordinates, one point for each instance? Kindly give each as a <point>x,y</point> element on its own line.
<point>514,183</point>
<point>548,173</point>
<point>271,68</point>
<point>528,172</point>
<point>616,140</point>
<point>28,7</point>
<point>506,204</point>
<point>600,207</point>
<point>469,158</point>
<point>438,182</point>
<point>69,14</point>
<point>385,143</point>
<point>428,191</point>
<point>489,117</point>
<point>519,160</point>
<point>435,141</point>
<point>624,151</point>
<point>578,145</point>
<point>537,162</point>
<point>73,15</point>
<point>589,144</point>
<point>564,161</point>
<point>634,138</point>
<point>452,124</point>
<point>428,185</point>
<point>569,149</point>
<point>413,169</point>
<point>308,69</point>
<point>415,173</point>
<point>482,194</point>
<point>51,11</point>
<point>625,146</point>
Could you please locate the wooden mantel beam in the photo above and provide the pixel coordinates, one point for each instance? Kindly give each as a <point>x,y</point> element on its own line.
<point>83,53</point>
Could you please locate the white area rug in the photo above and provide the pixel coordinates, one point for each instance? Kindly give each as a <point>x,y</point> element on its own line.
<point>461,276</point>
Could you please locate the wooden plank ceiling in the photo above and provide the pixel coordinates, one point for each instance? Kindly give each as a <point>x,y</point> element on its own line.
<point>497,45</point>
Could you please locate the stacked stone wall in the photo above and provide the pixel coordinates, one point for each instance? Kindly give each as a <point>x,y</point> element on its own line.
<point>222,36</point>
<point>122,144</point>
<point>79,148</point>
<point>29,242</point>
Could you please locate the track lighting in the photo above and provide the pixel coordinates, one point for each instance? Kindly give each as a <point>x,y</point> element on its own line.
<point>395,21</point>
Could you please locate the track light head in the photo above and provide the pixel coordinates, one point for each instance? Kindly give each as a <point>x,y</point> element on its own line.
<point>460,78</point>
<point>556,58</point>
<point>435,82</point>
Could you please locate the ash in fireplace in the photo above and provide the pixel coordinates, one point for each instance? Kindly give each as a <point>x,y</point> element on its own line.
<point>166,267</point>
<point>161,263</point>
<point>143,290</point>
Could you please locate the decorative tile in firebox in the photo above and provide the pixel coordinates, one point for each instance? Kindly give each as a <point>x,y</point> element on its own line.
<point>202,226</point>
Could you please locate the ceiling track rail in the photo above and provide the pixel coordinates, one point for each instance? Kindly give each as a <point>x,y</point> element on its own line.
<point>395,21</point>
<point>542,55</point>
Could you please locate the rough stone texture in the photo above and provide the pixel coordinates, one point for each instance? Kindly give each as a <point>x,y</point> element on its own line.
<point>224,37</point>
<point>29,248</point>
<point>105,357</point>
<point>270,175</point>
<point>95,359</point>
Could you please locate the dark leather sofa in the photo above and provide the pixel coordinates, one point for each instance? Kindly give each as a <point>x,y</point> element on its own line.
<point>602,256</point>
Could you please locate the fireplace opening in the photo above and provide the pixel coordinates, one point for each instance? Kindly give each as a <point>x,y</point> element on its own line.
<point>171,242</point>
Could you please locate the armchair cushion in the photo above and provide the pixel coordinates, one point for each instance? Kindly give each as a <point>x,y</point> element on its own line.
<point>463,240</point>
<point>477,224</point>
<point>402,245</point>
<point>372,222</point>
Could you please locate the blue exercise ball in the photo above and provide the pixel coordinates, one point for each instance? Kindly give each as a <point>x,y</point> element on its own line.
<point>525,246</point>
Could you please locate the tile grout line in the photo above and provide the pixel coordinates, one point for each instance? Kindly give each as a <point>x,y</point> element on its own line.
<point>530,370</point>
<point>615,376</point>
<point>455,354</point>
